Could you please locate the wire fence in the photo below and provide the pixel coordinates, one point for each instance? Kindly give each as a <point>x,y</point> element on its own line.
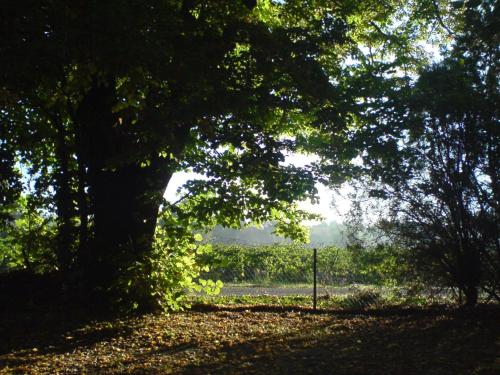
<point>361,278</point>
<point>281,270</point>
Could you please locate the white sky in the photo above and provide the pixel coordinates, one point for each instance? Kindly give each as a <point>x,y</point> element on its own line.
<point>326,195</point>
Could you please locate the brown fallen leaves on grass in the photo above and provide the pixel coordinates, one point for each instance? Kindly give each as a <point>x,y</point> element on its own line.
<point>254,340</point>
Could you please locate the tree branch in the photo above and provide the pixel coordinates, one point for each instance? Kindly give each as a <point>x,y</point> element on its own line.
<point>440,19</point>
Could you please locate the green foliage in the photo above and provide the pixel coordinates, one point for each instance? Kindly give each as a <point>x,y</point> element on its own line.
<point>225,89</point>
<point>219,88</point>
<point>380,265</point>
<point>293,263</point>
<point>169,272</point>
<point>27,241</point>
<point>10,185</point>
<point>428,147</point>
<point>234,263</point>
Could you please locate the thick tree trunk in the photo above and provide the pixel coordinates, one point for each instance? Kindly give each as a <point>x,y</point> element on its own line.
<point>125,195</point>
<point>471,296</point>
<point>469,266</point>
<point>126,205</point>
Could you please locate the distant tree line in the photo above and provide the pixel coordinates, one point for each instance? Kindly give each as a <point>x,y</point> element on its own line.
<point>322,234</point>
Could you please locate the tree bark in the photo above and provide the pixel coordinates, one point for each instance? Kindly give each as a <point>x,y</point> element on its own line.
<point>124,192</point>
<point>126,204</point>
<point>471,296</point>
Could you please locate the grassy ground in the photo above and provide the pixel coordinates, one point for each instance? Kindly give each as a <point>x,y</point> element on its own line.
<point>267,284</point>
<point>253,336</point>
<point>351,299</point>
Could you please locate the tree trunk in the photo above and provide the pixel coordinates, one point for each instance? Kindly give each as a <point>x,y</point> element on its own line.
<point>126,204</point>
<point>471,275</point>
<point>471,296</point>
<point>126,181</point>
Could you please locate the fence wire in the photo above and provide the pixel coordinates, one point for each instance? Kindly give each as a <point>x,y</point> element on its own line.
<point>280,270</point>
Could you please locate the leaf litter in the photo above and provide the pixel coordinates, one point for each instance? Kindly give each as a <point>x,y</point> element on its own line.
<point>256,339</point>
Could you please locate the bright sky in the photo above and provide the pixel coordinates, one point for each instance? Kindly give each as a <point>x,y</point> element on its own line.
<point>324,207</point>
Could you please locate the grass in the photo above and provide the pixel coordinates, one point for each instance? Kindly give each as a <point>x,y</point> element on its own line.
<point>284,301</point>
<point>282,284</point>
<point>357,297</point>
<point>267,284</point>
<point>248,335</point>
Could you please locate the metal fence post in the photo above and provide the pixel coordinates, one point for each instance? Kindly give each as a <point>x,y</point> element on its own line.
<point>315,261</point>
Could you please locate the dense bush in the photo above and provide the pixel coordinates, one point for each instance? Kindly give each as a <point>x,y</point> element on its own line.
<point>167,274</point>
<point>170,272</point>
<point>380,265</point>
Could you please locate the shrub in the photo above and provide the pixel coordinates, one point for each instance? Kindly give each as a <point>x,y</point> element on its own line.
<point>166,276</point>
<point>362,298</point>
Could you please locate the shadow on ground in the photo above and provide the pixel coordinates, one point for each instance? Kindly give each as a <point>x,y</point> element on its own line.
<point>35,312</point>
<point>44,335</point>
<point>390,341</point>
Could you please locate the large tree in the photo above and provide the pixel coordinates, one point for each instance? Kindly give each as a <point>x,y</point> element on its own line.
<point>430,151</point>
<point>106,100</point>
